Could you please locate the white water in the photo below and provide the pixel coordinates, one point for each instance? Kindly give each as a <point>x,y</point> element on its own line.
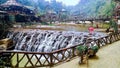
<point>48,41</point>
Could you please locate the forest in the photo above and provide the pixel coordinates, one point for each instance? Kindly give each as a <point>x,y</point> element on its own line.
<point>84,7</point>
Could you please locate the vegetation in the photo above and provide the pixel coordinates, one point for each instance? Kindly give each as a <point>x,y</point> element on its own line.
<point>114,25</point>
<point>96,7</point>
<point>83,8</point>
<point>4,61</point>
<point>81,49</point>
<point>2,1</point>
<point>95,48</point>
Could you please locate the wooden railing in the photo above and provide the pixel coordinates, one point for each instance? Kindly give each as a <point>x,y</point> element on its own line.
<point>36,59</point>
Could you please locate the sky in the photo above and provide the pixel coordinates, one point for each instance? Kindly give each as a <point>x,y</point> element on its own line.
<point>68,2</point>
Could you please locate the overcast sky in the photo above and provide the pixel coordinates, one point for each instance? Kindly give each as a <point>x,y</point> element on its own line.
<point>68,2</point>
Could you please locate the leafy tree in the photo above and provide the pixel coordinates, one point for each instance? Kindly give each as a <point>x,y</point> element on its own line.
<point>95,7</point>
<point>26,2</point>
<point>57,6</point>
<point>2,1</point>
<point>84,7</point>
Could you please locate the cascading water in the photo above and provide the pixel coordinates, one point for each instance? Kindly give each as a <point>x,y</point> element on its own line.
<point>48,41</point>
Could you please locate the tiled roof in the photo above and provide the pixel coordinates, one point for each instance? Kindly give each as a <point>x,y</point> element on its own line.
<point>11,2</point>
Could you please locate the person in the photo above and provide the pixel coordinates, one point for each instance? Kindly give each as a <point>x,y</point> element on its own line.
<point>91,29</point>
<point>108,29</point>
<point>97,25</point>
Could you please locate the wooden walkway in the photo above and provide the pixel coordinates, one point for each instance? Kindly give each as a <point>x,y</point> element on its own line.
<point>107,57</point>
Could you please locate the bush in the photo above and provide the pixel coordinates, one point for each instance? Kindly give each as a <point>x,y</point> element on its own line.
<point>81,48</point>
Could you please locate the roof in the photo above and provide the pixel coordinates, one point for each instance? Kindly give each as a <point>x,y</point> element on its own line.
<point>17,9</point>
<point>3,12</point>
<point>11,2</point>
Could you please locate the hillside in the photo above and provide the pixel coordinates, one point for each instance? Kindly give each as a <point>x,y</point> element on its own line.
<point>95,7</point>
<point>84,7</point>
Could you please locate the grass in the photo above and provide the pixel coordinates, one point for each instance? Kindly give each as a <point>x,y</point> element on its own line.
<point>25,60</point>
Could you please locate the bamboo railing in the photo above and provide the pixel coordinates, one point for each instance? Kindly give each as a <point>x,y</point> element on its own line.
<point>20,59</point>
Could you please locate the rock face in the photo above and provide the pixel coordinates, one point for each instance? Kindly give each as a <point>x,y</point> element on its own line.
<point>5,43</point>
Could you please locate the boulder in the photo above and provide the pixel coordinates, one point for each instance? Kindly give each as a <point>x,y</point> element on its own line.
<point>5,44</point>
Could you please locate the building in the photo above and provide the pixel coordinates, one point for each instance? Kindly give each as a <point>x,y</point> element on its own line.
<point>12,7</point>
<point>16,11</point>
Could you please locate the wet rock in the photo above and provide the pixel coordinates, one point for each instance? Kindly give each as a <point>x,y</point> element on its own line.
<point>5,44</point>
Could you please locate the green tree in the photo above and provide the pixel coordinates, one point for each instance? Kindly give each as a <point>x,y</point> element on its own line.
<point>2,1</point>
<point>95,7</point>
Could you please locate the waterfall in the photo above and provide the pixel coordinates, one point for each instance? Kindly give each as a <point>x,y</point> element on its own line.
<point>46,40</point>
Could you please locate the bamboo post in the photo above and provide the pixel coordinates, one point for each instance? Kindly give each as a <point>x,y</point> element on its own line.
<point>51,60</point>
<point>73,52</point>
<point>17,60</point>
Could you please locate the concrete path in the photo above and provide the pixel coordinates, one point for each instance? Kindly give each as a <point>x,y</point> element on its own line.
<point>107,57</point>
